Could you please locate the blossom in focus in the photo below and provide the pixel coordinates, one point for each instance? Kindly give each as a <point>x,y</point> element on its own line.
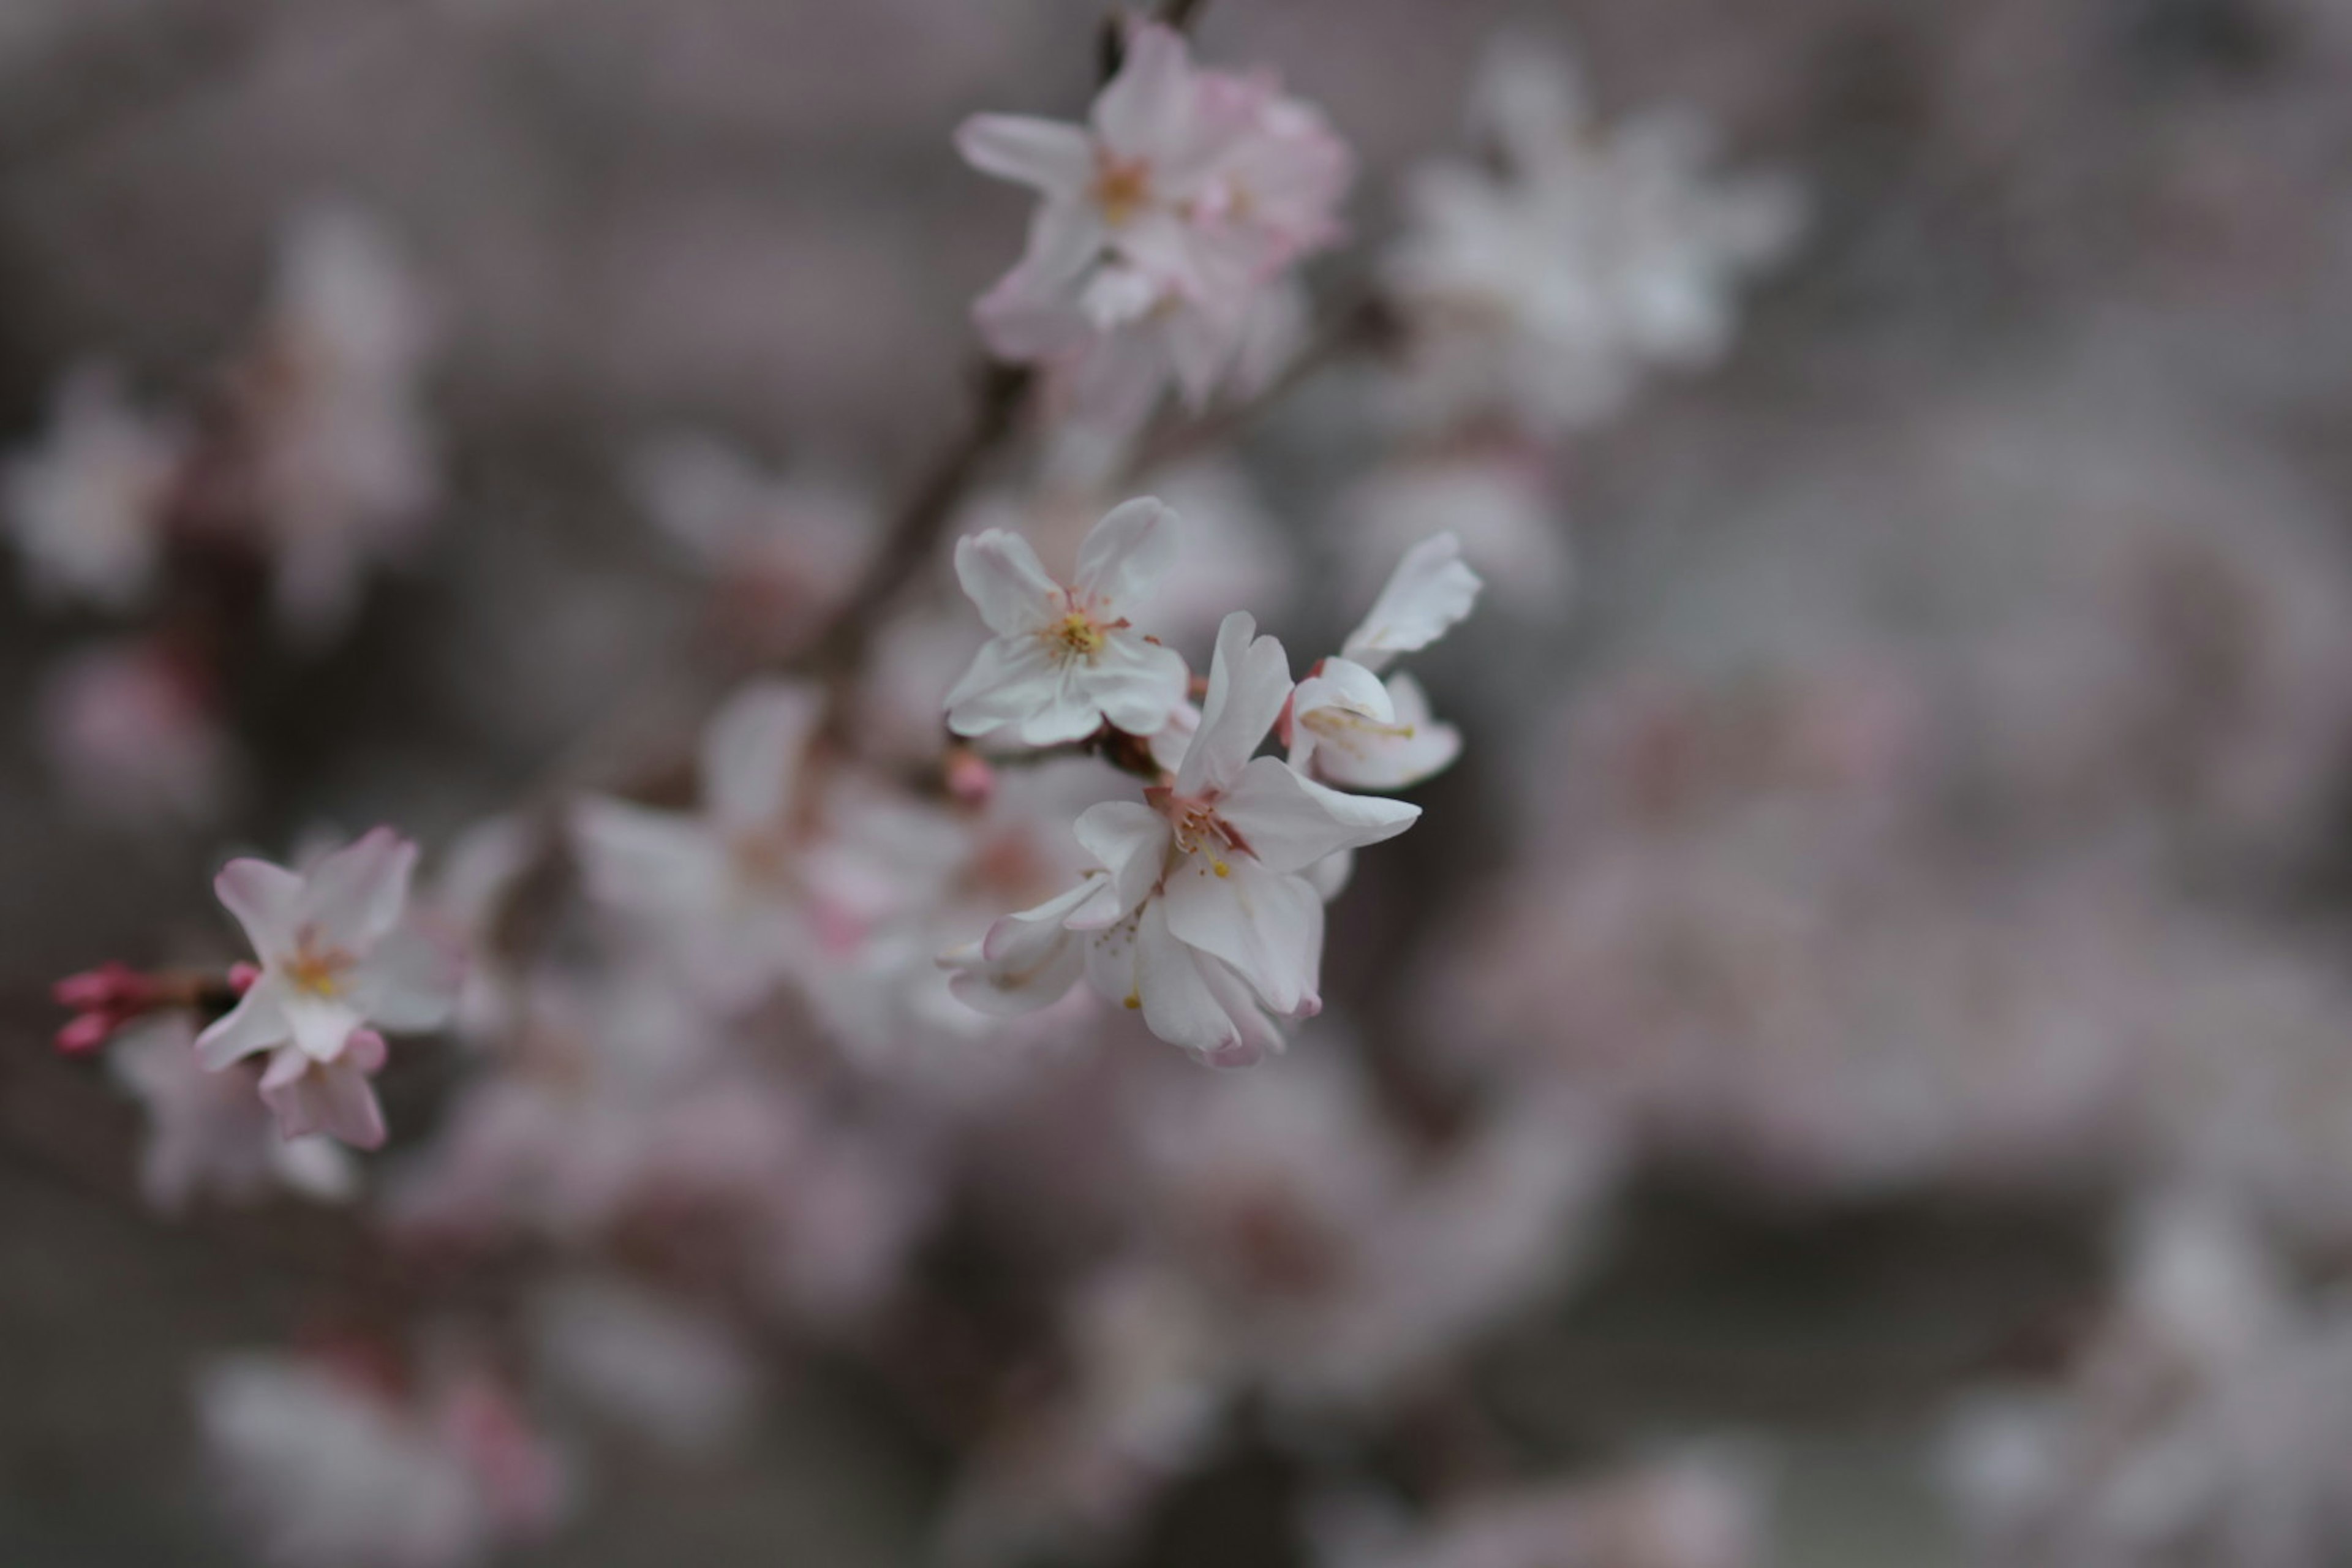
<point>338,962</point>
<point>1543,290</point>
<point>344,465</point>
<point>1166,225</point>
<point>328,1470</point>
<point>86,508</point>
<point>1351,729</point>
<point>1197,916</point>
<point>1067,659</point>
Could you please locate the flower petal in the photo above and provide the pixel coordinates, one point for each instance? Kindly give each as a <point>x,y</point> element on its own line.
<point>1259,1036</point>
<point>357,894</point>
<point>1006,582</point>
<point>1134,682</point>
<point>1147,107</point>
<point>1131,841</point>
<point>334,1097</point>
<point>321,1028</point>
<point>1009,679</point>
<point>1365,759</point>
<point>1067,715</point>
<point>1249,680</point>
<point>1125,556</point>
<point>1289,822</point>
<point>408,982</point>
<point>257,1023</point>
<point>1053,157</point>
<point>752,748</point>
<point>648,862</point>
<point>1026,961</point>
<point>1268,926</point>
<point>267,901</point>
<point>1430,590</point>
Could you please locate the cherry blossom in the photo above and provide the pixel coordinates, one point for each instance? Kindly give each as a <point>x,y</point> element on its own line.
<point>87,507</point>
<point>207,1133</point>
<point>1166,221</point>
<point>1346,725</point>
<point>1067,659</point>
<point>1199,916</point>
<point>338,961</point>
<point>1543,290</point>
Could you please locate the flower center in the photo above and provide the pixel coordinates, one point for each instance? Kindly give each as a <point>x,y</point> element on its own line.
<point>1078,632</point>
<point>1122,186</point>
<point>314,972</point>
<point>1198,829</point>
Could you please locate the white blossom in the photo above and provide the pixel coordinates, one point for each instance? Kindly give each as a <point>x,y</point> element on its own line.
<point>1067,659</point>
<point>1347,726</point>
<point>88,506</point>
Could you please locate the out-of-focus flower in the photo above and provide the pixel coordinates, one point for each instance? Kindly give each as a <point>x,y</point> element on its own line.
<point>646,1361</point>
<point>785,873</point>
<point>1199,918</point>
<point>344,467</point>
<point>1346,725</point>
<point>337,957</point>
<point>207,1132</point>
<point>1542,291</point>
<point>327,1470</point>
<point>1497,499</point>
<point>1166,223</point>
<point>1065,661</point>
<point>131,731</point>
<point>781,550</point>
<point>1687,1512</point>
<point>87,507</point>
<point>2205,1422</point>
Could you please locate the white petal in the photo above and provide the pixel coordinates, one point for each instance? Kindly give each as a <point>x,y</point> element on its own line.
<point>334,1097</point>
<point>1054,158</point>
<point>1145,969</point>
<point>1171,740</point>
<point>1147,107</point>
<point>1125,556</point>
<point>267,901</point>
<point>257,1023</point>
<point>1009,679</point>
<point>1289,822</point>
<point>1068,714</point>
<point>321,1028</point>
<point>752,749</point>
<point>1364,759</point>
<point>1259,1036</point>
<point>356,895</point>
<point>1134,682</point>
<point>1330,875</point>
<point>409,982</point>
<point>1026,961</point>
<point>1268,926</point>
<point>1131,841</point>
<point>1430,590</point>
<point>648,862</point>
<point>1004,580</point>
<point>1249,680</point>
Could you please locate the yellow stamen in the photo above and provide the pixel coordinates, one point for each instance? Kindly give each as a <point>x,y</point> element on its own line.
<point>1078,633</point>
<point>1121,187</point>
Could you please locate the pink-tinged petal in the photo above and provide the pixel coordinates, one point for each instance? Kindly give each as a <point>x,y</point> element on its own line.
<point>1026,961</point>
<point>1129,840</point>
<point>321,1028</point>
<point>1006,582</point>
<point>366,1052</point>
<point>408,982</point>
<point>1046,154</point>
<point>257,1023</point>
<point>334,1097</point>
<point>1148,109</point>
<point>1258,1035</point>
<point>1290,822</point>
<point>267,901</point>
<point>357,894</point>
<point>1268,926</point>
<point>1428,593</point>
<point>1249,680</point>
<point>1009,679</point>
<point>1136,683</point>
<point>1125,556</point>
<point>655,863</point>
<point>1178,1004</point>
<point>752,750</point>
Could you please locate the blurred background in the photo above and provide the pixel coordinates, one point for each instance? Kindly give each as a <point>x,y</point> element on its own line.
<point>1849,1070</point>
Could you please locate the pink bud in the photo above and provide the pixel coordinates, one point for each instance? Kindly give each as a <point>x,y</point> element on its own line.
<point>241,977</point>
<point>969,778</point>
<point>86,1033</point>
<point>365,1050</point>
<point>113,987</point>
